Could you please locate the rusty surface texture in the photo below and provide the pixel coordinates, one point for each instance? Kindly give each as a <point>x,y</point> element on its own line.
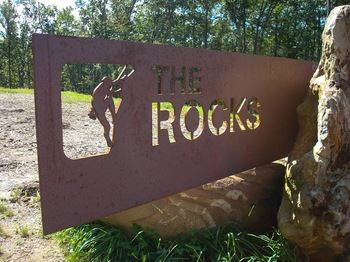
<point>187,117</point>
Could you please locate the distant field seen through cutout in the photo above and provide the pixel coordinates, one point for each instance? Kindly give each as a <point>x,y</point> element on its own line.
<point>96,92</point>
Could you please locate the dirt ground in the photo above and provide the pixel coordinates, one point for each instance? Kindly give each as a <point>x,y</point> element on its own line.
<point>21,236</point>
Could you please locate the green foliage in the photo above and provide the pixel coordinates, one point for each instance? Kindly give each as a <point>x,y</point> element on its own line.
<point>99,242</point>
<point>9,44</point>
<point>84,78</point>
<point>289,28</point>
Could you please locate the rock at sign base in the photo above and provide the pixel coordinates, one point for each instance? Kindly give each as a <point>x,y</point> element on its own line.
<point>315,211</point>
<point>251,199</point>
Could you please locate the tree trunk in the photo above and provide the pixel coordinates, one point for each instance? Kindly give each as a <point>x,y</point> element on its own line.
<point>9,63</point>
<point>206,25</point>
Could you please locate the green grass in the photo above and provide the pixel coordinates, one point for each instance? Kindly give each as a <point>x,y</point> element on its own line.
<point>5,211</point>
<point>16,90</point>
<point>23,230</point>
<point>100,242</point>
<point>3,233</point>
<point>73,97</point>
<point>15,194</point>
<point>35,199</point>
<point>67,96</point>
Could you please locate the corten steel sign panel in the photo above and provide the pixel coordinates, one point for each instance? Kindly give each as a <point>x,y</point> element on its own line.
<point>187,117</point>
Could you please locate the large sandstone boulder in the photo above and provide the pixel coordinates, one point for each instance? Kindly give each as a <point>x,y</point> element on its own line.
<point>315,210</point>
<point>249,198</point>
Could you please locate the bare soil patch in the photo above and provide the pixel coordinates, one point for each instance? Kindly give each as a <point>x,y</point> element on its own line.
<point>21,237</point>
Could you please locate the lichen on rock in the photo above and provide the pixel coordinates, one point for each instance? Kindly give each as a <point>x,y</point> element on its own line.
<point>315,210</point>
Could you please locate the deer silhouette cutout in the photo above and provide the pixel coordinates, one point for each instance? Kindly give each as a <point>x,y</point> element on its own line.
<point>102,100</point>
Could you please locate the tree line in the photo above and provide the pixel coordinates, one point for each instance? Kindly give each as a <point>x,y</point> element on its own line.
<point>288,28</point>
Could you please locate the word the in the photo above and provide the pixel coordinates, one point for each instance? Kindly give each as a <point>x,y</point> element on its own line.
<point>186,80</point>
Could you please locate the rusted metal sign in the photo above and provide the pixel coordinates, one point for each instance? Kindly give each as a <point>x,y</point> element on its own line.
<point>187,117</point>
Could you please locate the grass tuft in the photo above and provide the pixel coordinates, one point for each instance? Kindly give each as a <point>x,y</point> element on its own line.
<point>23,231</point>
<point>15,194</point>
<point>35,199</point>
<point>3,234</point>
<point>100,242</point>
<point>5,211</point>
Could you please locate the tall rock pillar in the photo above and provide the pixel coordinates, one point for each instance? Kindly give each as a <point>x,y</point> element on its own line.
<point>315,210</point>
